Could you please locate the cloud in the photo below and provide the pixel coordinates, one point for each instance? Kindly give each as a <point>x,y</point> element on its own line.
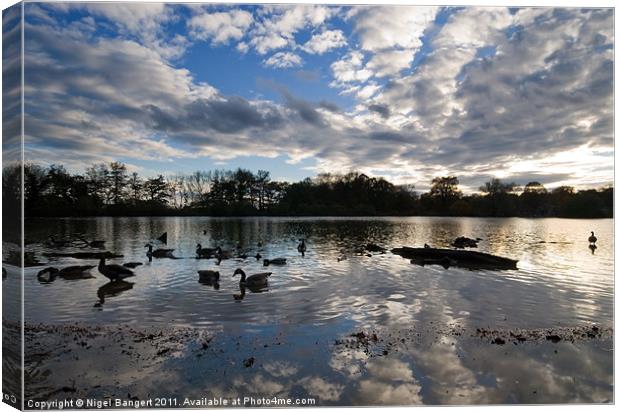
<point>527,92</point>
<point>390,63</point>
<point>325,41</point>
<point>283,60</point>
<point>220,27</point>
<point>380,28</point>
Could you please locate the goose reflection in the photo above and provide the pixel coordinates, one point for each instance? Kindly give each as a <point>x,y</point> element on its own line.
<point>592,247</point>
<point>111,289</point>
<point>255,289</point>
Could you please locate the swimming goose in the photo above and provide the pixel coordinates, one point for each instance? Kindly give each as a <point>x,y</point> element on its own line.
<point>209,277</point>
<point>276,261</point>
<point>205,252</point>
<point>69,273</point>
<point>75,272</point>
<point>113,272</point>
<point>301,248</point>
<point>592,239</point>
<point>222,254</point>
<point>47,275</point>
<point>258,280</point>
<point>159,253</point>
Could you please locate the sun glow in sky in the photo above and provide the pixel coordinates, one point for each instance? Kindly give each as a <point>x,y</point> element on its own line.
<point>404,92</point>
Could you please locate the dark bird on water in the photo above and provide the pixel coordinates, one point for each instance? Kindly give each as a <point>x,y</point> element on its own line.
<point>276,261</point>
<point>163,238</point>
<point>68,273</point>
<point>205,252</point>
<point>301,248</point>
<point>114,272</point>
<point>592,239</point>
<point>257,280</point>
<point>159,253</point>
<point>209,277</point>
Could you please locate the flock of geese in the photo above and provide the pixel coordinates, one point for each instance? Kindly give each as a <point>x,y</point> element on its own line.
<point>118,273</point>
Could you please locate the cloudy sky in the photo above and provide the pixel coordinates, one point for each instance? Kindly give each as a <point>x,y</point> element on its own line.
<point>404,92</point>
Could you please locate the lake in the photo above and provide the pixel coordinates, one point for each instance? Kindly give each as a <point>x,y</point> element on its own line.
<point>294,339</point>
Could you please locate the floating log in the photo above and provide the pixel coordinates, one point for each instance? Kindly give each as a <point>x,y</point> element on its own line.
<point>84,255</point>
<point>449,257</point>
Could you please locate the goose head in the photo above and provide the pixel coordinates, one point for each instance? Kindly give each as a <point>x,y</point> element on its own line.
<point>239,272</point>
<point>198,247</point>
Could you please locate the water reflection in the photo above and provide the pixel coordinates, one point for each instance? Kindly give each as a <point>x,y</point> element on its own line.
<point>111,289</point>
<point>332,290</point>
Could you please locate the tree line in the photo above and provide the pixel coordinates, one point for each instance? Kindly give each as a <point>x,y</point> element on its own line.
<point>109,189</point>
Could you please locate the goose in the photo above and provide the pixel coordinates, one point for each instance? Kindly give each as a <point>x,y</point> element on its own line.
<point>276,261</point>
<point>221,254</point>
<point>426,246</point>
<point>113,272</point>
<point>132,265</point>
<point>592,239</point>
<point>258,256</point>
<point>75,272</point>
<point>301,248</point>
<point>204,252</point>
<point>209,277</point>
<point>257,280</point>
<point>47,275</point>
<point>159,253</point>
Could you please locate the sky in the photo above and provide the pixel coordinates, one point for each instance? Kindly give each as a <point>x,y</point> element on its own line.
<point>404,92</point>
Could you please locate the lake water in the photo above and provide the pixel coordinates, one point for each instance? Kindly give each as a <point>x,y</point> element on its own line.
<point>315,300</point>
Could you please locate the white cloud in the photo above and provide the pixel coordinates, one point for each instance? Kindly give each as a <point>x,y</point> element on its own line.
<point>220,27</point>
<point>383,27</point>
<point>350,69</point>
<point>390,63</point>
<point>325,41</point>
<point>283,60</point>
<point>279,25</point>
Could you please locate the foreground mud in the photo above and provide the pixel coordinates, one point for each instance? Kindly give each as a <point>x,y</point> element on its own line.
<point>122,362</point>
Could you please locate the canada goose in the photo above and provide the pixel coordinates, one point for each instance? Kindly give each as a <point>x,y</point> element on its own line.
<point>221,254</point>
<point>258,256</point>
<point>75,272</point>
<point>209,277</point>
<point>426,246</point>
<point>159,253</point>
<point>132,265</point>
<point>592,239</point>
<point>276,261</point>
<point>113,272</point>
<point>47,275</point>
<point>255,281</point>
<point>205,252</point>
<point>301,248</point>
<point>163,238</point>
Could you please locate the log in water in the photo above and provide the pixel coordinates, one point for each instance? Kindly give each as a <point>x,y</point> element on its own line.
<point>449,257</point>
